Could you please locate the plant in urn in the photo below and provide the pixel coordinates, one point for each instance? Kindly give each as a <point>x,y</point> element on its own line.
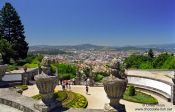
<point>115,86</point>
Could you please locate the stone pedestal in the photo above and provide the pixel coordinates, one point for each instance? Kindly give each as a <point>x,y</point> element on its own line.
<point>173,91</point>
<point>25,78</point>
<point>173,94</point>
<point>3,69</point>
<point>109,108</point>
<point>46,85</point>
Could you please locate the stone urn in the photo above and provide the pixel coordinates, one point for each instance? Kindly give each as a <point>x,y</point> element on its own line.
<point>115,86</point>
<point>46,85</point>
<point>3,69</point>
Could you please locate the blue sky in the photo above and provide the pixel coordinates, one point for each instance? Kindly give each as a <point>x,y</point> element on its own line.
<point>101,22</point>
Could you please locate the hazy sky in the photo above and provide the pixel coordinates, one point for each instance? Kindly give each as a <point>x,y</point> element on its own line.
<point>101,22</point>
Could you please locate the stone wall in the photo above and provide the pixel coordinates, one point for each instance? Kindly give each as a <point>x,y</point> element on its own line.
<point>153,83</point>
<point>11,98</point>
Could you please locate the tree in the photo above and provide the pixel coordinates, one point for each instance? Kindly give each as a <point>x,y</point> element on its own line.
<point>12,30</point>
<point>160,60</point>
<point>87,71</point>
<point>5,50</point>
<point>150,53</point>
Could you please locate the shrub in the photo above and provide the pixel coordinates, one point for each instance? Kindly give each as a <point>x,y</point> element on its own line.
<point>21,88</point>
<point>140,97</point>
<point>28,65</point>
<point>69,99</point>
<point>99,77</point>
<point>131,90</point>
<point>37,97</point>
<point>12,67</point>
<point>60,95</point>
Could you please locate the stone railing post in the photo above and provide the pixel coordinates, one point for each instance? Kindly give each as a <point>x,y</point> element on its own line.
<point>25,79</point>
<point>3,69</point>
<point>173,90</point>
<point>173,94</point>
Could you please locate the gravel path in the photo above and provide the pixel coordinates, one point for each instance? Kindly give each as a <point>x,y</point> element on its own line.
<point>97,98</point>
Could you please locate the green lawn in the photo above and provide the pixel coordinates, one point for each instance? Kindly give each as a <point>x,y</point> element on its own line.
<point>140,98</point>
<point>69,99</point>
<point>21,88</point>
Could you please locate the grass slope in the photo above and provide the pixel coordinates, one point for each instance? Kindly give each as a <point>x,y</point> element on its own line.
<point>140,98</point>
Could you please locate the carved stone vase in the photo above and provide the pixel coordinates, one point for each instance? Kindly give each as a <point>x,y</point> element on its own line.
<point>46,85</point>
<point>115,86</point>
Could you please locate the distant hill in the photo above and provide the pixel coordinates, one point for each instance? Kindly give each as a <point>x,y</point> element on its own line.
<point>163,46</point>
<point>158,47</point>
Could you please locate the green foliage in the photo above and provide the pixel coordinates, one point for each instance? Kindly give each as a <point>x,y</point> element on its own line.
<point>66,76</point>
<point>60,95</point>
<point>159,61</point>
<point>12,67</point>
<point>100,75</point>
<point>78,101</point>
<point>169,63</point>
<point>163,61</point>
<point>131,91</point>
<point>21,88</point>
<point>65,71</point>
<point>134,61</point>
<point>69,99</point>
<point>12,30</point>
<point>28,65</point>
<point>146,65</point>
<point>150,53</point>
<point>6,50</point>
<point>140,98</point>
<point>33,61</point>
<point>37,97</point>
<point>86,71</point>
<point>105,74</point>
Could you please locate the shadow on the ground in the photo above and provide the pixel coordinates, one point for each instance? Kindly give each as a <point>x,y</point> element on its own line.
<point>120,108</point>
<point>60,109</point>
<point>4,84</point>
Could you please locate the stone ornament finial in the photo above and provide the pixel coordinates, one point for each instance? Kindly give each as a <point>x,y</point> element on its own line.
<point>45,61</point>
<point>117,70</point>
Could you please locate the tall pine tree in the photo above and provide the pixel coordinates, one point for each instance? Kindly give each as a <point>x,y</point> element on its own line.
<point>12,30</point>
<point>150,53</point>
